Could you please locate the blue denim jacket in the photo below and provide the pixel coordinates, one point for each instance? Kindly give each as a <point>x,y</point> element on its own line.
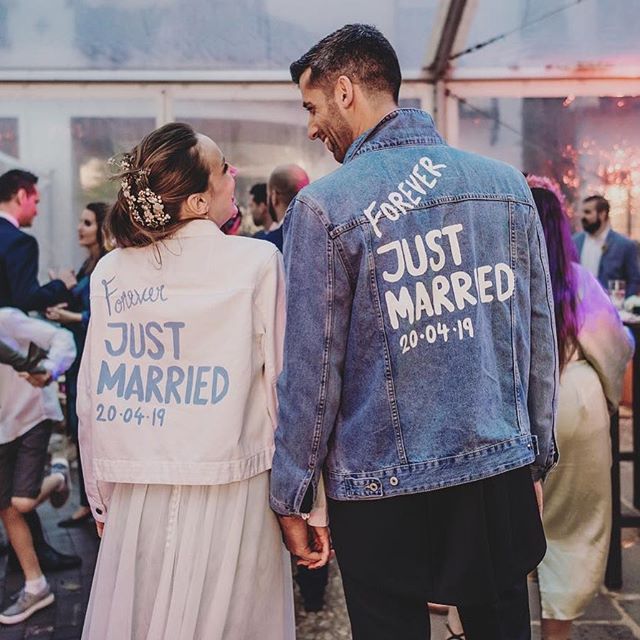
<point>420,348</point>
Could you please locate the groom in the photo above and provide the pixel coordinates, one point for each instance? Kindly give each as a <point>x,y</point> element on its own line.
<point>420,367</point>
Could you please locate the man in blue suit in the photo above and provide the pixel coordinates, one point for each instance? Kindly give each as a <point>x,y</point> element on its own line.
<point>19,287</point>
<point>606,254</point>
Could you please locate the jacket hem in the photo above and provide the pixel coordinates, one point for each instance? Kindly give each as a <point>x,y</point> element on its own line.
<point>434,474</point>
<point>182,473</point>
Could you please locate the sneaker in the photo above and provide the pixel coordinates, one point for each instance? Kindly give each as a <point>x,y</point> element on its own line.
<point>26,605</point>
<point>59,498</point>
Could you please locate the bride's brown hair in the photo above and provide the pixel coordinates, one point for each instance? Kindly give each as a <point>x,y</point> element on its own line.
<point>156,177</point>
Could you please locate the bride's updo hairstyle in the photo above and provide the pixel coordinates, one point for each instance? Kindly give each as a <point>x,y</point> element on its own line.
<point>156,177</point>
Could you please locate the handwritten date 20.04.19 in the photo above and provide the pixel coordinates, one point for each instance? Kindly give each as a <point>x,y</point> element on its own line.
<point>432,333</point>
<point>137,415</point>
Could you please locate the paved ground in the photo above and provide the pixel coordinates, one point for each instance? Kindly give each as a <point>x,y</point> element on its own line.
<point>613,616</point>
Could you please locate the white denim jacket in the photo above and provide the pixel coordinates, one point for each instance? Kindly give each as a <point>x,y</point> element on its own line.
<point>177,381</point>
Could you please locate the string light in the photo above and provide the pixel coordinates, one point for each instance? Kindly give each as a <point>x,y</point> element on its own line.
<point>587,168</point>
<point>616,175</point>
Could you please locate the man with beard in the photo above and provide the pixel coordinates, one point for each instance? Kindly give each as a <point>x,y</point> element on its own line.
<point>284,183</point>
<point>606,254</point>
<point>420,364</point>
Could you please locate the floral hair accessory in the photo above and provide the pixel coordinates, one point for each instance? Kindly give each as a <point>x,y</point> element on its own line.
<point>542,182</point>
<point>145,206</point>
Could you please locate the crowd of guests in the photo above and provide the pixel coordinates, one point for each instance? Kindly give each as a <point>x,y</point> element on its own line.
<point>208,431</point>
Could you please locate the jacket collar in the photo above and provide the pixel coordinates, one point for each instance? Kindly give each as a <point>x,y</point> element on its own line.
<point>9,218</point>
<point>195,228</point>
<point>398,128</point>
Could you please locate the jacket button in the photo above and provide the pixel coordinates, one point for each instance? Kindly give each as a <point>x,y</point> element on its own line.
<point>393,481</point>
<point>99,511</point>
<point>373,486</point>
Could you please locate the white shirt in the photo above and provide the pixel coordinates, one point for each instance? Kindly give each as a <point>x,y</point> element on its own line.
<point>10,218</point>
<point>22,406</point>
<point>592,251</point>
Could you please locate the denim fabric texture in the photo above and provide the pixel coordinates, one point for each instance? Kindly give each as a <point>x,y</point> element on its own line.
<point>420,348</point>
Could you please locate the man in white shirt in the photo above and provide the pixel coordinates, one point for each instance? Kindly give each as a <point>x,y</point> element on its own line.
<point>607,255</point>
<point>28,406</point>
<point>19,287</point>
<point>597,229</point>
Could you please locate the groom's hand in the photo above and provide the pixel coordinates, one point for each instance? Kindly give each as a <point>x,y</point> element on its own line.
<point>309,545</point>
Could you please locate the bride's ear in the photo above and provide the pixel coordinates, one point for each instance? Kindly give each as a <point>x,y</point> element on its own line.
<point>197,204</point>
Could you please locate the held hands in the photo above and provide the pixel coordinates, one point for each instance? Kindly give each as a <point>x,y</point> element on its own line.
<point>310,546</point>
<point>99,528</point>
<point>60,313</point>
<point>39,380</point>
<point>66,275</point>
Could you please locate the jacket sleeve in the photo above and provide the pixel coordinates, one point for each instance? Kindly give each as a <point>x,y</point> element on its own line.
<point>59,343</point>
<point>98,493</point>
<point>319,299</point>
<point>605,343</point>
<point>632,269</point>
<point>271,306</point>
<point>22,275</point>
<point>13,358</point>
<point>542,399</point>
<point>62,352</point>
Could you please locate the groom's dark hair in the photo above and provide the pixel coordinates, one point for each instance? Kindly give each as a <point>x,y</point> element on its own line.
<point>358,51</point>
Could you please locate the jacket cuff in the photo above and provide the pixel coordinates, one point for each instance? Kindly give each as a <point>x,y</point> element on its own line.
<point>98,510</point>
<point>280,508</point>
<point>50,366</point>
<point>540,472</point>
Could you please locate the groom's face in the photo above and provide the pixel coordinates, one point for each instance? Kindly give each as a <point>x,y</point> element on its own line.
<point>326,122</point>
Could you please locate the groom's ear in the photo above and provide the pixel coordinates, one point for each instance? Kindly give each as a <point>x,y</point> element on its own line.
<point>343,92</point>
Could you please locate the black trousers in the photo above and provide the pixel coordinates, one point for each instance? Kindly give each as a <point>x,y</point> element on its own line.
<point>506,619</point>
<point>376,615</point>
<point>470,546</point>
<point>313,584</point>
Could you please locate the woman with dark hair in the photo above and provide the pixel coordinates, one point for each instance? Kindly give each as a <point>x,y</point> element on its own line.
<point>594,349</point>
<point>177,407</point>
<point>75,317</point>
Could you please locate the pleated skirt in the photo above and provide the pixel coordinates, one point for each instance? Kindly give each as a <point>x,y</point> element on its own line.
<point>191,563</point>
